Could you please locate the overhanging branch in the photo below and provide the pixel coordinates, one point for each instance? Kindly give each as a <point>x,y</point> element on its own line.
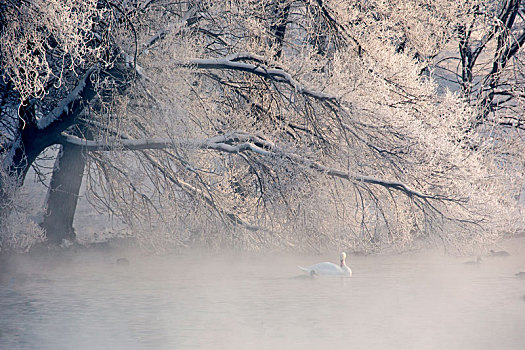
<point>240,142</point>
<point>233,62</point>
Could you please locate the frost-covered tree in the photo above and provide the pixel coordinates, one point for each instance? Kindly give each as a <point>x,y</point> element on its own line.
<point>252,123</point>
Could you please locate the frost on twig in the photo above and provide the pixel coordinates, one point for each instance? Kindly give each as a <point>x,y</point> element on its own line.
<point>233,62</point>
<point>69,103</point>
<point>240,142</point>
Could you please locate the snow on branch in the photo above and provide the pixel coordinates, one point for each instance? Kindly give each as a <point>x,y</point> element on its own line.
<point>241,142</point>
<point>145,144</point>
<point>67,105</point>
<point>127,144</point>
<point>261,145</point>
<point>233,62</point>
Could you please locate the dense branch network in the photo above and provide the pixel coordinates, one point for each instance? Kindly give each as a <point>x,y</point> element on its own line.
<point>244,107</point>
<point>240,142</point>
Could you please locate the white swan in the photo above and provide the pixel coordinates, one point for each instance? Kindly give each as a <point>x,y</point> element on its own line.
<point>328,268</point>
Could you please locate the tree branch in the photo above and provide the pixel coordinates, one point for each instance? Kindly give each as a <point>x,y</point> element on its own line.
<point>232,62</point>
<point>68,105</point>
<point>240,142</point>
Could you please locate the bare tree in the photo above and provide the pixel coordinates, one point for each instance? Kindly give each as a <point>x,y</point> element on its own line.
<point>289,123</point>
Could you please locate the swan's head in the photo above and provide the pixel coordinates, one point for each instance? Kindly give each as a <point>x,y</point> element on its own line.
<point>343,257</point>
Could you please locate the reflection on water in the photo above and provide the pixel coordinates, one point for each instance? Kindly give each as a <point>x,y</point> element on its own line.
<point>416,301</point>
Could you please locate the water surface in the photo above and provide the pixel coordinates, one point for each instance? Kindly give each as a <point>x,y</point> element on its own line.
<point>84,300</point>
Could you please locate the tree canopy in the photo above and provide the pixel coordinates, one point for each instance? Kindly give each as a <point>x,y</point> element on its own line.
<point>290,124</point>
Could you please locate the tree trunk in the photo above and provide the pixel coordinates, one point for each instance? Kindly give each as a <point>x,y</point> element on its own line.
<point>63,193</point>
<point>280,15</point>
<point>69,166</point>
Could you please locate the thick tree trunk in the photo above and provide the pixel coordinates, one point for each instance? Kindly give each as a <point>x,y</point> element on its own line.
<point>63,193</point>
<point>66,179</point>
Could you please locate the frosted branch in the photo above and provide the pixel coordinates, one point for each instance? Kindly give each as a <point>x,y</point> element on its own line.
<point>127,144</point>
<point>240,142</point>
<point>65,106</point>
<point>232,62</point>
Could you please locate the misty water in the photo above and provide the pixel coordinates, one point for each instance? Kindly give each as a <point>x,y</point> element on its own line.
<point>422,300</point>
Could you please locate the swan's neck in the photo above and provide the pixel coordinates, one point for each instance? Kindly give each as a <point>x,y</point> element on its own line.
<point>342,263</point>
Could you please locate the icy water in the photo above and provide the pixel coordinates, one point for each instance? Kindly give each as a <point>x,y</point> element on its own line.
<point>84,300</point>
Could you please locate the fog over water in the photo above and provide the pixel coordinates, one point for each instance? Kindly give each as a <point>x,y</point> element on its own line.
<point>424,300</point>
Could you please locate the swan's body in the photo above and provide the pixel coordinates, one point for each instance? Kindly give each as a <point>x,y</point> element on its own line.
<point>328,268</point>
